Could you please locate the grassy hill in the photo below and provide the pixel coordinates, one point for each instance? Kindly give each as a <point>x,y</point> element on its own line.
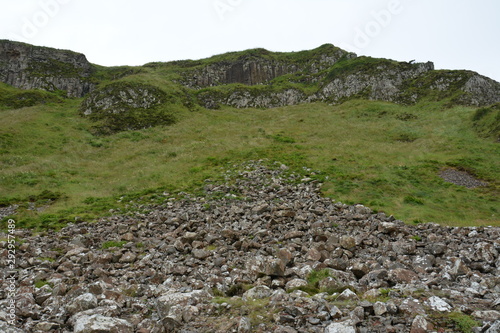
<point>388,156</point>
<point>379,154</point>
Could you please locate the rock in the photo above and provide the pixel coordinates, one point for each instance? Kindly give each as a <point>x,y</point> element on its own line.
<point>487,315</point>
<point>81,303</point>
<point>6,328</point>
<point>31,67</point>
<point>400,275</point>
<point>295,283</point>
<point>258,292</point>
<point>494,328</point>
<point>340,327</point>
<point>458,268</point>
<point>244,325</point>
<point>173,306</point>
<point>201,254</point>
<point>404,247</point>
<point>348,242</point>
<point>379,308</point>
<point>347,295</point>
<point>375,279</point>
<point>438,304</point>
<point>100,324</point>
<point>420,325</point>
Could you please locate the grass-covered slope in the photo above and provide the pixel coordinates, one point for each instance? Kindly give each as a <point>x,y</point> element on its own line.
<point>383,155</point>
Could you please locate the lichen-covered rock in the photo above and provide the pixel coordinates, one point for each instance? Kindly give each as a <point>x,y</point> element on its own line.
<point>124,106</point>
<point>101,324</point>
<point>31,67</point>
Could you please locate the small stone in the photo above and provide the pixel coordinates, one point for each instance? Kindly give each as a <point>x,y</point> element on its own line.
<point>244,326</point>
<point>295,283</point>
<point>347,295</point>
<point>379,308</point>
<point>341,327</point>
<point>259,292</point>
<point>438,304</point>
<point>421,325</point>
<point>101,324</point>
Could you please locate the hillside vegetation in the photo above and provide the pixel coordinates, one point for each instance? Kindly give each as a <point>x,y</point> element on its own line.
<point>61,160</point>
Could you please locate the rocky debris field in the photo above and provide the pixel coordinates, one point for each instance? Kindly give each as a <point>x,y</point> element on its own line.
<point>261,252</point>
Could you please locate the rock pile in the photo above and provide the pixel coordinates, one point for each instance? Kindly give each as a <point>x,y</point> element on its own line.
<point>261,252</point>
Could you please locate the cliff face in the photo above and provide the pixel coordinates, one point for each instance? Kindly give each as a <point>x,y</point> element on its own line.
<point>261,66</point>
<point>257,78</point>
<point>30,67</point>
<point>336,80</point>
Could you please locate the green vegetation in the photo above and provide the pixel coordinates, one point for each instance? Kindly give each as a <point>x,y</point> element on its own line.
<point>59,168</point>
<point>257,310</point>
<point>353,145</point>
<point>110,244</point>
<point>486,121</point>
<point>12,98</point>
<point>456,320</point>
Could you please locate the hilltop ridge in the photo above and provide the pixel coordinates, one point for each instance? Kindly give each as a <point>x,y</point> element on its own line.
<point>252,78</point>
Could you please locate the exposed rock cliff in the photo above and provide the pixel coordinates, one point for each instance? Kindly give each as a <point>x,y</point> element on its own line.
<point>341,77</point>
<point>261,66</point>
<point>31,67</point>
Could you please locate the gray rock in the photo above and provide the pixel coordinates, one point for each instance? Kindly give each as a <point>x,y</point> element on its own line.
<point>438,304</point>
<point>341,327</point>
<point>100,324</point>
<point>258,292</point>
<point>30,67</point>
<point>81,303</point>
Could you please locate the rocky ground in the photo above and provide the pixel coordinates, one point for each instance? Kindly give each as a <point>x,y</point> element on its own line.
<point>262,252</point>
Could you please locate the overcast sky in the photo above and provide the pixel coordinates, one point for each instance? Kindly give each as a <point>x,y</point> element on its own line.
<point>454,34</point>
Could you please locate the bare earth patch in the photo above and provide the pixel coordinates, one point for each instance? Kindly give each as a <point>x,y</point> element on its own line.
<point>461,178</point>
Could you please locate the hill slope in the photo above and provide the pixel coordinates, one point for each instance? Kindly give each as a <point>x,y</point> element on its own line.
<point>375,131</point>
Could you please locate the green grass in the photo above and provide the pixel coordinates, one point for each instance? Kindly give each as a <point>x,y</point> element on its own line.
<point>111,244</point>
<point>368,152</point>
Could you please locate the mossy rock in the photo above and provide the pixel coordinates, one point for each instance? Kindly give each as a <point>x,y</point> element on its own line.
<point>122,106</point>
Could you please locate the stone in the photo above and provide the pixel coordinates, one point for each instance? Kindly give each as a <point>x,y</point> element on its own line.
<point>487,315</point>
<point>348,242</point>
<point>166,303</point>
<point>295,283</point>
<point>494,328</point>
<point>379,308</point>
<point>68,71</point>
<point>420,325</point>
<point>101,324</point>
<point>438,304</point>
<point>401,275</point>
<point>81,303</point>
<point>244,326</point>
<point>258,292</point>
<point>341,327</point>
<point>458,268</point>
<point>347,295</point>
<point>200,254</point>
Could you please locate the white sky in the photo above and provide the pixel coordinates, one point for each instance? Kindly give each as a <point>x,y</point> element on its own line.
<point>454,34</point>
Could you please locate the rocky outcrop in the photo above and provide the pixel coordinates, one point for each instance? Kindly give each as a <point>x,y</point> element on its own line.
<point>31,67</point>
<point>329,74</point>
<point>261,252</point>
<point>123,106</point>
<point>261,66</point>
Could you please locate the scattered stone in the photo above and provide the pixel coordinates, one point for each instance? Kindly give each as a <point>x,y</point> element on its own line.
<point>209,264</point>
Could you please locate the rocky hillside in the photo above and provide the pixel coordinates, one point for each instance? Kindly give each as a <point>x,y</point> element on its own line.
<point>260,252</point>
<point>31,67</point>
<point>254,78</point>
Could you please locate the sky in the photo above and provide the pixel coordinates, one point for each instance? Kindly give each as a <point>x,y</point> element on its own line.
<point>454,34</point>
